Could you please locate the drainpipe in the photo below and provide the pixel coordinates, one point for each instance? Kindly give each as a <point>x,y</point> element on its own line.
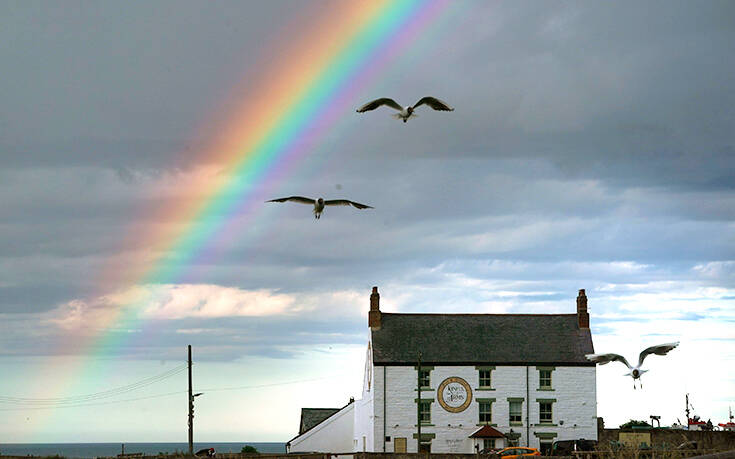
<point>385,415</point>
<point>528,416</point>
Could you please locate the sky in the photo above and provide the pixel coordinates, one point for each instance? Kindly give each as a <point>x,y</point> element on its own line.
<point>591,146</point>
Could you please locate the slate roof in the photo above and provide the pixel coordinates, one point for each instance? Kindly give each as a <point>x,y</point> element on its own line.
<point>468,339</point>
<point>310,417</point>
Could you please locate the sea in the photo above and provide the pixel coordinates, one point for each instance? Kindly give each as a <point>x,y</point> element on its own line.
<point>92,450</point>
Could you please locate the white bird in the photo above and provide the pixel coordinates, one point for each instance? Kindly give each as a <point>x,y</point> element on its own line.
<point>320,203</point>
<point>635,372</point>
<point>404,113</point>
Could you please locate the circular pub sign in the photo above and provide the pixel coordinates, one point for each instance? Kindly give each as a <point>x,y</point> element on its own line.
<point>454,394</point>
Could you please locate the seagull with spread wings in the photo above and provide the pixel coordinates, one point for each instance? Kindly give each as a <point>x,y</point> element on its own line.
<point>635,372</point>
<point>404,113</point>
<point>320,203</point>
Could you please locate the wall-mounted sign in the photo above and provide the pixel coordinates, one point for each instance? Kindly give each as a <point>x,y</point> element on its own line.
<point>454,394</point>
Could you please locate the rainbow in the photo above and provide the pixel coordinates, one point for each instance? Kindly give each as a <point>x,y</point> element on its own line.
<point>301,94</point>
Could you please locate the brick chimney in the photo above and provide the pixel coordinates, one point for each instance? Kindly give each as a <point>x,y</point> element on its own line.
<point>583,317</point>
<point>374,314</point>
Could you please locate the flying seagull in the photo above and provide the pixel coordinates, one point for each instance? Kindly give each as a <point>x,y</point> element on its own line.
<point>320,203</point>
<point>404,113</point>
<point>635,372</point>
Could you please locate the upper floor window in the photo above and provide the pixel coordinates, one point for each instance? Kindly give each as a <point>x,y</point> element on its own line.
<point>425,377</point>
<point>486,412</point>
<point>545,414</point>
<point>425,412</point>
<point>516,411</point>
<point>544,378</point>
<point>485,380</point>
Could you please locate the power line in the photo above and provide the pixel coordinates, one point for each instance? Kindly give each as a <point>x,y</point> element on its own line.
<point>84,403</point>
<point>60,401</point>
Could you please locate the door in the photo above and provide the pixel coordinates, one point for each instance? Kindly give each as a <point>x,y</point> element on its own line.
<point>399,445</point>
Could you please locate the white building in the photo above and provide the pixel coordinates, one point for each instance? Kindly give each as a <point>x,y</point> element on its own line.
<point>486,381</point>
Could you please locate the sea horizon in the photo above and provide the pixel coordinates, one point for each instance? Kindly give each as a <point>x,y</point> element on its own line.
<point>111,449</point>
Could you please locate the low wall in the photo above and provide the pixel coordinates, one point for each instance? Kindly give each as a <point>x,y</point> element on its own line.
<point>671,438</point>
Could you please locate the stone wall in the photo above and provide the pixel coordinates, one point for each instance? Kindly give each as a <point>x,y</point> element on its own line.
<point>670,438</point>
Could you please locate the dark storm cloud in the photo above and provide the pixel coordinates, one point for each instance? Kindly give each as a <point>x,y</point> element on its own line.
<point>585,136</point>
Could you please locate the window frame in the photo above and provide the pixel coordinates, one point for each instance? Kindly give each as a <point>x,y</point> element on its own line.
<point>425,412</point>
<point>541,412</point>
<point>485,402</point>
<point>519,401</point>
<point>545,383</point>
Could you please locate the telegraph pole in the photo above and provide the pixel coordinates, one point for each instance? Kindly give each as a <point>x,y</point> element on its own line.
<point>191,410</point>
<point>418,405</point>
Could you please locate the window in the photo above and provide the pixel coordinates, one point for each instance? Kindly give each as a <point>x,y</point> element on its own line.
<point>545,412</point>
<point>424,378</point>
<point>425,412</point>
<point>544,378</point>
<point>513,442</point>
<point>425,446</point>
<point>488,443</point>
<point>486,412</point>
<point>515,408</point>
<point>485,378</point>
<point>545,448</point>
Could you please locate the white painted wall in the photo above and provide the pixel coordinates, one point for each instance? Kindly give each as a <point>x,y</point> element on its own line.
<point>332,435</point>
<point>574,412</point>
<point>364,432</point>
<point>574,390</point>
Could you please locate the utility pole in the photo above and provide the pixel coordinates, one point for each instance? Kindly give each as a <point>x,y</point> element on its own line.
<point>686,410</point>
<point>191,410</point>
<point>418,405</point>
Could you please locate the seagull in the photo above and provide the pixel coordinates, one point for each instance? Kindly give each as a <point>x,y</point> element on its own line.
<point>404,113</point>
<point>635,372</point>
<point>320,203</point>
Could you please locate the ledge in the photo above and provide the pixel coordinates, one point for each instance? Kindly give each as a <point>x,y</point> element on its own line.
<point>546,425</point>
<point>545,389</point>
<point>486,424</point>
<point>516,424</point>
<point>484,388</point>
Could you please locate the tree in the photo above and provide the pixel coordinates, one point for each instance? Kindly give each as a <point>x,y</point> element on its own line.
<point>247,449</point>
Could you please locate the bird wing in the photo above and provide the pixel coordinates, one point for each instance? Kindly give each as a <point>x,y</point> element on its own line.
<point>300,199</point>
<point>434,103</point>
<point>377,103</point>
<point>603,359</point>
<point>661,349</point>
<point>346,202</point>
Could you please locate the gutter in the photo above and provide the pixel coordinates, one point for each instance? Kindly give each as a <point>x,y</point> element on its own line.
<point>385,415</point>
<point>528,416</point>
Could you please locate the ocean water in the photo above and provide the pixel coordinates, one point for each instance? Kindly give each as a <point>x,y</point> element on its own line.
<point>92,450</point>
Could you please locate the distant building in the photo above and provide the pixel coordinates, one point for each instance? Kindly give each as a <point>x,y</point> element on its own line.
<point>487,381</point>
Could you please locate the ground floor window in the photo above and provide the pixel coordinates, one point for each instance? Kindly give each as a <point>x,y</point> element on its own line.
<point>488,443</point>
<point>545,448</point>
<point>425,447</point>
<point>513,442</point>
